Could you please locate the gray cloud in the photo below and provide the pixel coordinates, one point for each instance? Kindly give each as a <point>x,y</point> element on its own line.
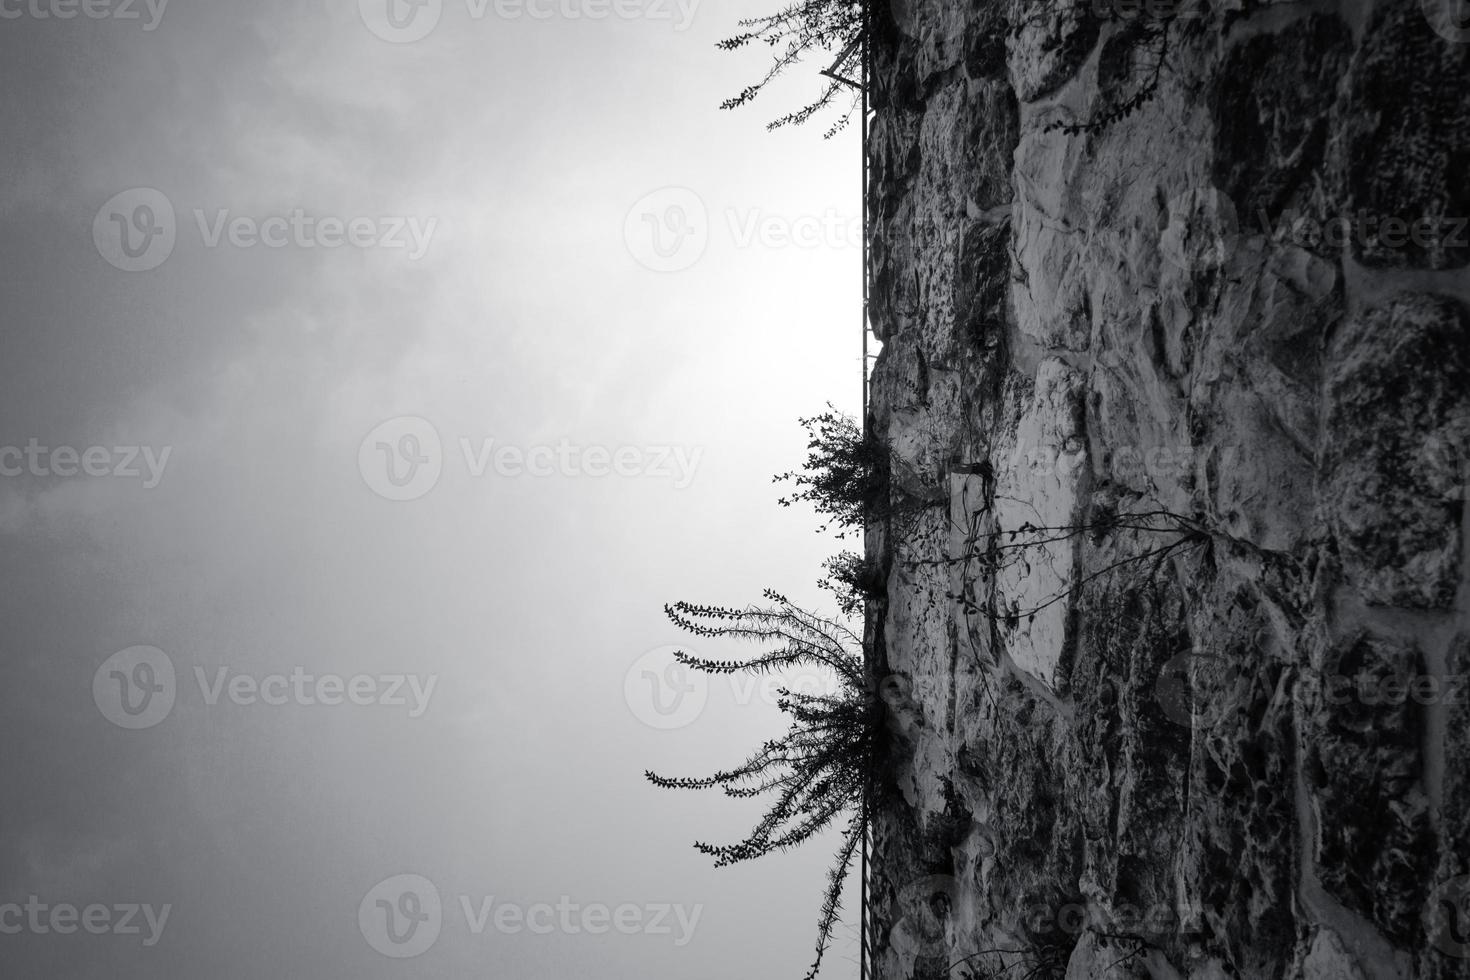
<point>263,550</point>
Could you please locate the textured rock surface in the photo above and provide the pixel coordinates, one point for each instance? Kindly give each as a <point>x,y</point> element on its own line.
<point>1397,419</point>
<point>1176,630</point>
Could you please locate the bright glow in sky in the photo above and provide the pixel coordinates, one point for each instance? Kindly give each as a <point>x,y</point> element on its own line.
<point>278,327</point>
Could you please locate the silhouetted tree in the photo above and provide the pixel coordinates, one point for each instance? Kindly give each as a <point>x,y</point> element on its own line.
<point>825,28</point>
<point>818,771</point>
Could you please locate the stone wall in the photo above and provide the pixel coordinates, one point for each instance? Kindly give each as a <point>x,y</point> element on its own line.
<point>1227,738</point>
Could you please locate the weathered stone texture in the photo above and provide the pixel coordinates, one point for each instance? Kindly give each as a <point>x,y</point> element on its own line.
<point>1122,747</point>
<point>1397,432</point>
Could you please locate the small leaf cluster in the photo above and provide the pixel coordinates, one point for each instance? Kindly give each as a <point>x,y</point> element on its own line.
<point>852,579</point>
<point>845,476</point>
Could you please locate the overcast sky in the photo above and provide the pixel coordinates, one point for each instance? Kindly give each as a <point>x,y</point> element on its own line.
<point>413,373</point>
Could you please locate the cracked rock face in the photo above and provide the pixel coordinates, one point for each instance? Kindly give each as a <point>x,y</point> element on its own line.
<point>1374,840</point>
<point>1176,633</point>
<point>1397,430</point>
<point>1402,144</point>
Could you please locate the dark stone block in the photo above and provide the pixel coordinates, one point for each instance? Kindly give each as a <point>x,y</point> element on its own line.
<point>1396,432</point>
<point>982,284</point>
<point>1057,38</point>
<point>1271,109</point>
<point>1402,146</point>
<point>1374,849</point>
